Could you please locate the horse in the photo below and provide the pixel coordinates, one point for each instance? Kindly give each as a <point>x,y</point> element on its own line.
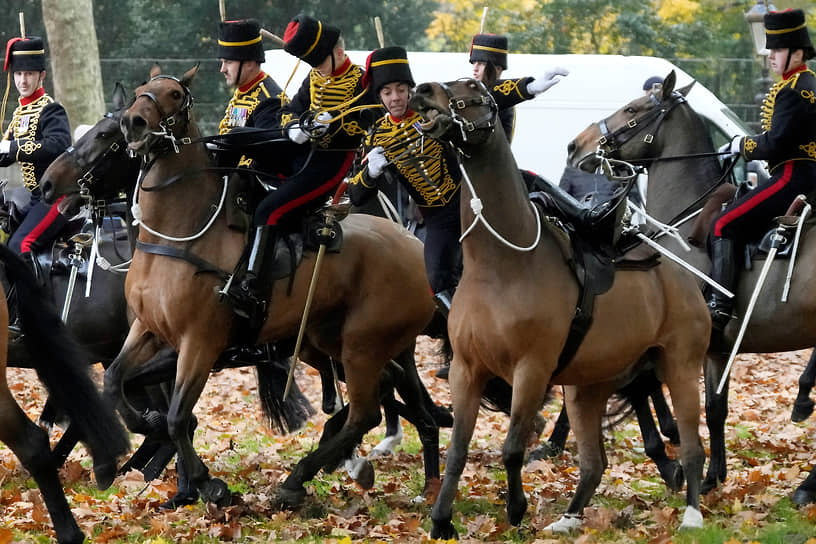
<point>359,316</point>
<point>101,322</point>
<point>525,298</point>
<point>62,367</point>
<point>664,132</point>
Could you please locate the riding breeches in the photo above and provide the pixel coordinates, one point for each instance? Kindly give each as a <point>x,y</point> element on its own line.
<point>41,225</point>
<point>443,251</point>
<point>750,216</point>
<point>309,186</point>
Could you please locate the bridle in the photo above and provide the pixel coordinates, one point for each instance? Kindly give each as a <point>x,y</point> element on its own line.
<point>467,127</point>
<point>611,142</point>
<point>170,123</point>
<point>86,180</point>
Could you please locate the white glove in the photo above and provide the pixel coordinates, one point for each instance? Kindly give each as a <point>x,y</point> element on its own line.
<point>321,122</point>
<point>5,147</point>
<point>732,147</point>
<point>376,162</point>
<point>541,84</point>
<point>298,135</point>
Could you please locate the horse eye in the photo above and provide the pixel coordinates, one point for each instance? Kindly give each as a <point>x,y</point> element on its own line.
<point>177,95</point>
<point>630,109</point>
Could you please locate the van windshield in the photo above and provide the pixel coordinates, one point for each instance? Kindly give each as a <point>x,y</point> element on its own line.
<point>733,117</point>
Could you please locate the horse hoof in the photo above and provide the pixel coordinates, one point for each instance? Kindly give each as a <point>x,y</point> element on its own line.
<point>567,524</point>
<point>444,530</point>
<point>801,497</point>
<point>105,474</point>
<point>709,484</point>
<point>673,476</point>
<point>544,451</point>
<point>216,491</point>
<point>290,498</point>
<point>802,410</point>
<point>442,416</point>
<point>363,474</point>
<point>692,519</point>
<point>179,499</point>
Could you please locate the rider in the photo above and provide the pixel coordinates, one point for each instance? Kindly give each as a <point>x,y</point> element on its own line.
<point>488,55</point>
<point>38,133</point>
<point>788,144</point>
<point>323,121</point>
<point>428,169</point>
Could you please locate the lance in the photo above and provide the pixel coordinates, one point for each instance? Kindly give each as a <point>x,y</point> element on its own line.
<point>776,241</point>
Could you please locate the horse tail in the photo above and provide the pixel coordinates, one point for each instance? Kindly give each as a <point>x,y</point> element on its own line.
<point>61,364</point>
<point>621,405</point>
<point>284,415</point>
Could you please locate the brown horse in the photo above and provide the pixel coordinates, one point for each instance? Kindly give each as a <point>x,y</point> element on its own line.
<point>512,312</point>
<point>667,134</point>
<point>64,371</point>
<point>359,315</point>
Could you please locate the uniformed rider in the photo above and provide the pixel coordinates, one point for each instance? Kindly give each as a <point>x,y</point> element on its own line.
<point>38,133</point>
<point>327,120</point>
<point>787,143</point>
<point>427,168</point>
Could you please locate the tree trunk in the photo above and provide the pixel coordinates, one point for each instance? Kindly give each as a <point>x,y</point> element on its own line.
<point>74,55</point>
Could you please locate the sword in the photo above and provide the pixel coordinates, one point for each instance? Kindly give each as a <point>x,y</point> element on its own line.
<point>80,241</point>
<point>776,241</point>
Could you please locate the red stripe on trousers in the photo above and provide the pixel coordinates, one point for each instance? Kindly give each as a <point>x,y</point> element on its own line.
<point>48,220</point>
<point>752,203</point>
<point>275,216</point>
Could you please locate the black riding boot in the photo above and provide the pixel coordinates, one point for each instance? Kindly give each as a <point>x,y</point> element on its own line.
<point>724,272</point>
<point>586,220</point>
<point>250,298</point>
<point>443,301</point>
<point>15,326</point>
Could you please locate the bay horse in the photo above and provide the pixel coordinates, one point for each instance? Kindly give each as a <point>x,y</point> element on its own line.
<point>665,133</point>
<point>512,312</point>
<point>63,369</point>
<point>101,322</point>
<point>359,315</point>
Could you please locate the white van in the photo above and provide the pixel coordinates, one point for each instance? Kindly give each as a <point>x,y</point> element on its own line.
<point>597,86</point>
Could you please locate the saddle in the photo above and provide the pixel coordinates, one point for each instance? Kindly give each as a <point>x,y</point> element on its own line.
<point>594,265</point>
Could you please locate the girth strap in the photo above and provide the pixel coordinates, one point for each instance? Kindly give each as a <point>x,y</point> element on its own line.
<point>201,265</point>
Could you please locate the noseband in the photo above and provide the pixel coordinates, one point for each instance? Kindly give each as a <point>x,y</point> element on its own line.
<point>611,142</point>
<point>168,123</point>
<point>86,180</point>
<point>467,127</point>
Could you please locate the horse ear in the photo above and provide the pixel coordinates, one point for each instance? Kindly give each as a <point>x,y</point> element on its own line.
<point>119,96</point>
<point>684,90</point>
<point>155,70</point>
<point>188,76</point>
<point>668,84</point>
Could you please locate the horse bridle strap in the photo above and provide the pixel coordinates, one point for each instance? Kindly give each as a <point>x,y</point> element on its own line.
<point>612,141</point>
<point>168,122</point>
<point>457,105</point>
<point>202,266</point>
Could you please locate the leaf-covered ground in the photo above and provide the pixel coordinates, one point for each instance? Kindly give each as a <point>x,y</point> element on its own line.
<point>768,457</point>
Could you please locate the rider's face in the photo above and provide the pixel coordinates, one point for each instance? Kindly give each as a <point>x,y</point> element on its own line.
<point>230,70</point>
<point>777,60</point>
<point>479,70</point>
<point>27,82</point>
<point>395,96</point>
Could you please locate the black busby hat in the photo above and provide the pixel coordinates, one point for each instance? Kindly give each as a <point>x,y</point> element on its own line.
<point>24,55</point>
<point>489,48</point>
<point>787,30</point>
<point>385,66</point>
<point>309,39</point>
<point>240,40</point>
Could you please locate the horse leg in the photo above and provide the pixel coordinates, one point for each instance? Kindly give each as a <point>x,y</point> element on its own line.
<point>30,444</point>
<point>668,426</point>
<point>194,364</point>
<point>558,439</point>
<point>466,391</point>
<point>681,374</point>
<point>670,470</point>
<point>803,406</point>
<point>586,406</point>
<point>806,492</point>
<point>393,427</point>
<point>716,408</point>
<point>362,383</point>
<point>331,402</point>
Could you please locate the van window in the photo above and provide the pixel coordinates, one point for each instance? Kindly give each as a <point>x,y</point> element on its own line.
<point>720,138</point>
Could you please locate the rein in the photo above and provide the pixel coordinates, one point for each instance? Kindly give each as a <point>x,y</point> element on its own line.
<point>468,128</point>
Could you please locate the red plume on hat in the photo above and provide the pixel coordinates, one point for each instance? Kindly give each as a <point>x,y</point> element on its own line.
<point>8,53</point>
<point>366,81</point>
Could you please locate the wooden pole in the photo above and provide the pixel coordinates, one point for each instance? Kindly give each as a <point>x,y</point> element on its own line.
<point>222,9</point>
<point>22,25</point>
<point>484,16</point>
<point>378,27</point>
<point>277,39</point>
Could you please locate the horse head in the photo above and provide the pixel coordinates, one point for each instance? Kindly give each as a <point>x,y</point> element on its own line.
<point>99,153</point>
<point>615,136</point>
<point>462,112</point>
<point>160,113</point>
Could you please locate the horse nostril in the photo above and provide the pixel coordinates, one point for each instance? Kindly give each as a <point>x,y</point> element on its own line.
<point>571,147</point>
